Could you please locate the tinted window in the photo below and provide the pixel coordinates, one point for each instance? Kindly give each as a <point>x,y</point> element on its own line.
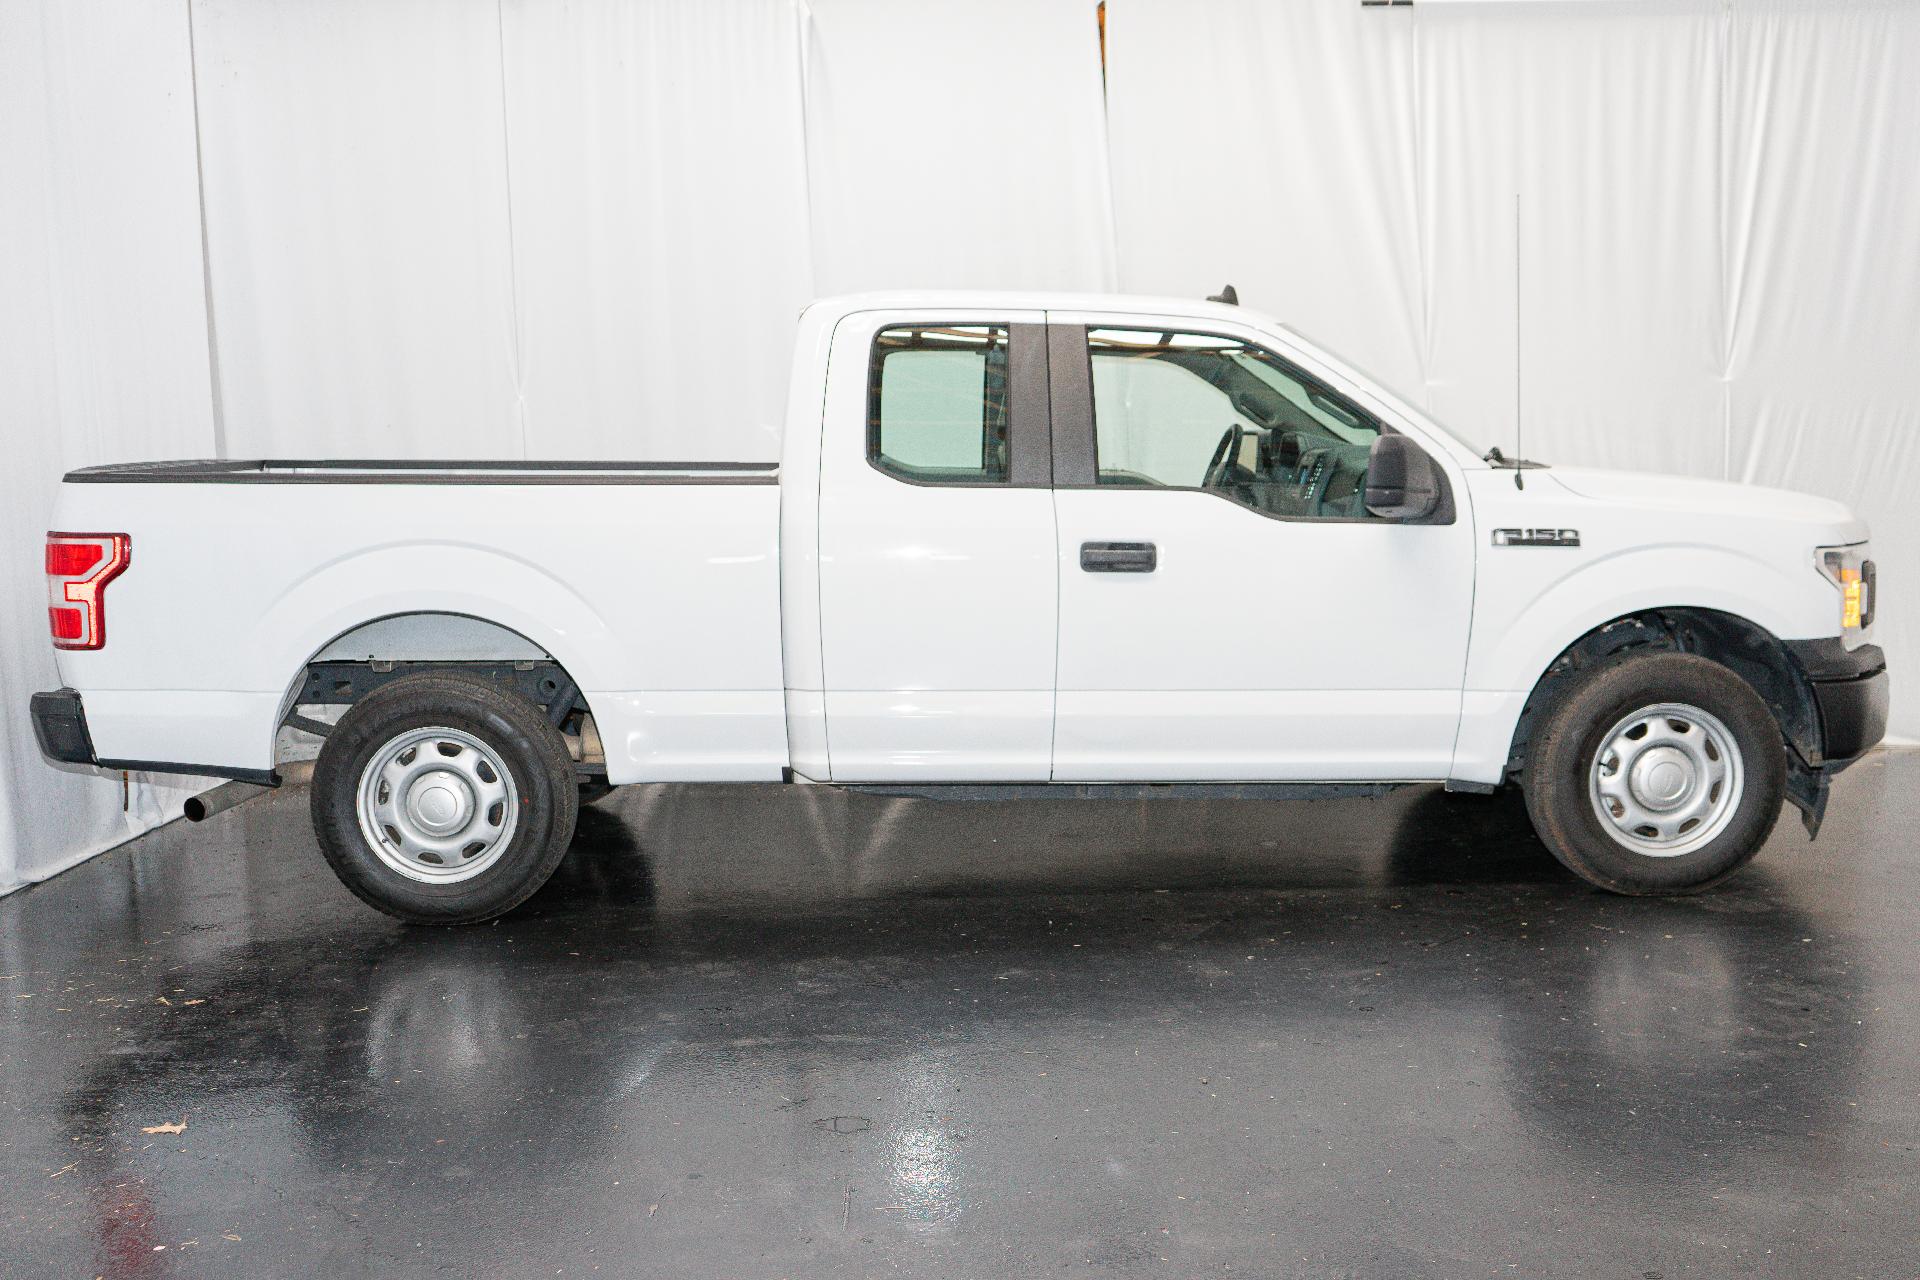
<point>937,410</point>
<point>1197,411</point>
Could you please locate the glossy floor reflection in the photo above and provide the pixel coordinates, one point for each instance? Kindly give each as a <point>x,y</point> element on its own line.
<point>749,1032</point>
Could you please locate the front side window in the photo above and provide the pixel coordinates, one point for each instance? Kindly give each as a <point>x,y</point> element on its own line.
<point>1198,411</point>
<point>937,404</point>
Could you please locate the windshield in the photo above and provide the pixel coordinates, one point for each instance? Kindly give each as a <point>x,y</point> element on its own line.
<point>1335,419</point>
<point>1383,390</point>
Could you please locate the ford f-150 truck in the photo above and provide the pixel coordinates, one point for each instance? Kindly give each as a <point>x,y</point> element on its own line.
<point>1015,545</point>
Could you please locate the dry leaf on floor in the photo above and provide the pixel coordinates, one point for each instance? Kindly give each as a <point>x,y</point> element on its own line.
<point>179,1126</point>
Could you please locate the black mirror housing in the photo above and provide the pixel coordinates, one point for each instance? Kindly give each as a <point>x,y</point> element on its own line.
<point>1402,481</point>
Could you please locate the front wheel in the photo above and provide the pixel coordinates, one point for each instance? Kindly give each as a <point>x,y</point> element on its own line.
<point>1656,773</point>
<point>443,799</point>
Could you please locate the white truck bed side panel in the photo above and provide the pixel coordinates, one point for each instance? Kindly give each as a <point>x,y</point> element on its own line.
<point>661,600</point>
<point>180,726</point>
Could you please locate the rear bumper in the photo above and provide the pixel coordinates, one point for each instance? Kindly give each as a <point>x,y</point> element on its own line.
<point>1850,691</point>
<point>60,727</point>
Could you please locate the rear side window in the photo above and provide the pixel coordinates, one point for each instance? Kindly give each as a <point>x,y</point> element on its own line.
<point>937,405</point>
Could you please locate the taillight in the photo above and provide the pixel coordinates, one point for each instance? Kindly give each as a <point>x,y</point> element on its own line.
<point>79,567</point>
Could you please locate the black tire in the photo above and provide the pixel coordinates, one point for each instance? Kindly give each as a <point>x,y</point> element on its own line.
<point>510,728</point>
<point>1558,774</point>
<point>595,790</point>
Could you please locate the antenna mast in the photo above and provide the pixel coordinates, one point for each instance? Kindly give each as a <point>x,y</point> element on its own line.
<point>1519,413</point>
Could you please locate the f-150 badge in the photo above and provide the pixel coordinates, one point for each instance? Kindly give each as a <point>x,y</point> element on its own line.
<point>1536,537</point>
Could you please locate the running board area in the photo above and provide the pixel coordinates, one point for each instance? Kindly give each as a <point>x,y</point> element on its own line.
<point>972,791</point>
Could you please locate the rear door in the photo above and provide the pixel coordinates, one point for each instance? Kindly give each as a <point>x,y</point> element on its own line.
<point>1228,608</point>
<point>939,593</point>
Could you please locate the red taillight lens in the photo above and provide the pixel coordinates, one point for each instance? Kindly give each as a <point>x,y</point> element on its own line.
<point>79,567</point>
<point>73,559</point>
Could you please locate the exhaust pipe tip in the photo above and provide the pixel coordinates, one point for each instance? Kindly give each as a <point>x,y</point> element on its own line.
<point>228,794</point>
<point>223,797</point>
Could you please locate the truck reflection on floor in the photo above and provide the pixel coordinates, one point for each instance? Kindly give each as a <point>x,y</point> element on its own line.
<point>638,1031</point>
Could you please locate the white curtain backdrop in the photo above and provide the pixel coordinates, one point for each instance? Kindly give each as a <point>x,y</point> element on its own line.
<point>354,166</point>
<point>103,349</point>
<point>660,247</point>
<point>418,228</point>
<point>957,144</point>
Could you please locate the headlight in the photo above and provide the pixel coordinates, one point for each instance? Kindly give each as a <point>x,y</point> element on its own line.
<point>1849,569</point>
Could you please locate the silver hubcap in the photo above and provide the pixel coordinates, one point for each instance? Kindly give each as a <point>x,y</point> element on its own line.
<point>437,805</point>
<point>1666,779</point>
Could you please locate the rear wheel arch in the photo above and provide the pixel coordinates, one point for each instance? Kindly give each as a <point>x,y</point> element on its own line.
<point>429,640</point>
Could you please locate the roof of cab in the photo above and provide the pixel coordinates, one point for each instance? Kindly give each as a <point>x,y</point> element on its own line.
<point>1024,300</point>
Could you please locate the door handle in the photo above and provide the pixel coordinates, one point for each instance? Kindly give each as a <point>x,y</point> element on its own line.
<point>1119,557</point>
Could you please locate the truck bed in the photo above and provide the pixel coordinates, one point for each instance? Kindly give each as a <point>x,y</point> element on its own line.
<point>662,602</point>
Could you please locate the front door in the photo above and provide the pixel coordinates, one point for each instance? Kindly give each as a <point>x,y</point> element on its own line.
<point>938,594</point>
<point>1229,611</point>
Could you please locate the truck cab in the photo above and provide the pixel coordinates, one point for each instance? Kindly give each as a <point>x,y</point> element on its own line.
<point>1015,544</point>
<point>1123,546</point>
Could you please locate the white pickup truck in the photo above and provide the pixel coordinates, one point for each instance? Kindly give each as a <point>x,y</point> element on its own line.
<point>1015,545</point>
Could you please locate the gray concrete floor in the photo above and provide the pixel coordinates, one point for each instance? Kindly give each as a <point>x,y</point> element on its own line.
<point>756,1032</point>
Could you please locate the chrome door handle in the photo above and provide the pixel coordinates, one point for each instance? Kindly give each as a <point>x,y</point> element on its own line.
<point>1119,557</point>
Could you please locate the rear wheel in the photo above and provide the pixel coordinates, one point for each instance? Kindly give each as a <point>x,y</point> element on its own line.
<point>442,799</point>
<point>1656,773</point>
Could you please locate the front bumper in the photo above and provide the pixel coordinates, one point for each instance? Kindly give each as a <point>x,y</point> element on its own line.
<point>1850,693</point>
<point>60,727</point>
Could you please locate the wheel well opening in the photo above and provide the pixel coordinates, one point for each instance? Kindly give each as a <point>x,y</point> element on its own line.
<point>375,653</point>
<point>1745,648</point>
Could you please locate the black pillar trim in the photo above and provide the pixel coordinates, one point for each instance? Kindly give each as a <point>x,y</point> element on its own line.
<point>1071,384</point>
<point>1030,463</point>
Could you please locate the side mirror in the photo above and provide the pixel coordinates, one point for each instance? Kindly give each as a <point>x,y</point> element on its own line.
<point>1402,482</point>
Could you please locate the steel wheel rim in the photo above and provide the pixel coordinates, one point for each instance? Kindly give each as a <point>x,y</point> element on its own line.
<point>437,805</point>
<point>1666,779</point>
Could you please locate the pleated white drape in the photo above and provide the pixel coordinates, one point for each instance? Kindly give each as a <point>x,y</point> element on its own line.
<point>438,228</point>
<point>103,348</point>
